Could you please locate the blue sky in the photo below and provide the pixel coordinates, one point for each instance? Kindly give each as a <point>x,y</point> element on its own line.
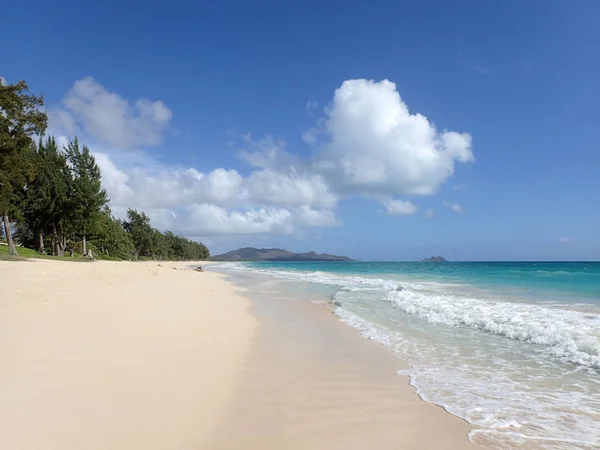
<point>270,123</point>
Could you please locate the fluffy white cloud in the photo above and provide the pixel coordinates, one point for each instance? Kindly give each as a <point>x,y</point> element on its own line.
<point>182,200</point>
<point>372,144</point>
<point>208,219</point>
<point>454,207</point>
<point>270,153</point>
<point>367,144</point>
<point>274,188</point>
<point>399,207</point>
<point>284,179</point>
<point>157,186</point>
<point>90,108</point>
<point>308,217</point>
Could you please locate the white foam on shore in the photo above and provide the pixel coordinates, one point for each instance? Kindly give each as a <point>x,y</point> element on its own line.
<point>506,412</point>
<point>528,374</point>
<point>570,335</point>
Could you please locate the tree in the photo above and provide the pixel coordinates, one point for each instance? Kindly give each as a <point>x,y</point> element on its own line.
<point>151,243</point>
<point>48,205</point>
<point>88,197</point>
<point>20,119</point>
<point>38,200</point>
<point>142,233</point>
<point>184,249</point>
<point>110,238</point>
<point>59,185</point>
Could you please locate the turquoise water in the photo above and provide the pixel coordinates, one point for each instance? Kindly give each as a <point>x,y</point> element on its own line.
<point>574,280</point>
<point>513,348</point>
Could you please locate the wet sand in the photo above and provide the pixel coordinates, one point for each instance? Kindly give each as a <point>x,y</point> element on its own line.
<point>141,355</point>
<point>313,383</point>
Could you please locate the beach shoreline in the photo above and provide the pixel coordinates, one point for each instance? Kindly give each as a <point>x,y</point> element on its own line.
<point>313,382</point>
<point>149,355</point>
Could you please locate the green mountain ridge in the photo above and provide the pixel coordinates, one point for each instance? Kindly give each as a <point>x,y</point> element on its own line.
<point>275,254</point>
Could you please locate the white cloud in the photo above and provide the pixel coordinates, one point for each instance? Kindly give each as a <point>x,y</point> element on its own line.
<point>310,136</point>
<point>568,240</point>
<point>399,207</point>
<point>2,81</point>
<point>157,186</point>
<point>114,180</point>
<point>284,179</point>
<point>429,213</point>
<point>189,196</point>
<point>306,216</point>
<point>454,207</point>
<point>270,153</point>
<point>91,109</point>
<point>368,144</point>
<point>208,219</point>
<point>372,144</point>
<point>275,188</point>
<point>311,105</point>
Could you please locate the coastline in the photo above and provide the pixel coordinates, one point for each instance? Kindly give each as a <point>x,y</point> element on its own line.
<point>138,355</point>
<point>312,382</point>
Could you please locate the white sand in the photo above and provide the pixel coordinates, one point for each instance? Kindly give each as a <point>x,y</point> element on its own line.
<point>116,355</point>
<point>136,356</point>
<point>313,383</point>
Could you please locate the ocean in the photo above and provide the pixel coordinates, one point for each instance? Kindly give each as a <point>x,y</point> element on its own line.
<point>511,347</point>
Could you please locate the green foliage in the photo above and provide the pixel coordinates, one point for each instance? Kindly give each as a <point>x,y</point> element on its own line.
<point>184,249</point>
<point>48,208</point>
<point>110,240</point>
<point>87,197</point>
<point>55,195</point>
<point>142,233</point>
<point>152,244</point>
<point>20,119</point>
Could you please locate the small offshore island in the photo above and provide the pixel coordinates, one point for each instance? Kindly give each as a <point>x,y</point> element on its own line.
<point>435,259</point>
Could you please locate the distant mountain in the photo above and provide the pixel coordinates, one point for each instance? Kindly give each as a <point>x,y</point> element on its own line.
<point>435,259</point>
<point>274,254</point>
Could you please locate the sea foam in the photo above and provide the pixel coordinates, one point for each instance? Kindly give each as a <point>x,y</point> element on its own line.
<point>539,388</point>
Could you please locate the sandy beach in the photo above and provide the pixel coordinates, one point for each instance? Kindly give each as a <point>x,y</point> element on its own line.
<point>146,355</point>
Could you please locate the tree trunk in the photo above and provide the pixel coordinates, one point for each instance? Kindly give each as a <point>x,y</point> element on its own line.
<point>54,241</point>
<point>12,250</point>
<point>61,242</point>
<point>39,241</point>
<point>83,245</point>
<point>58,240</point>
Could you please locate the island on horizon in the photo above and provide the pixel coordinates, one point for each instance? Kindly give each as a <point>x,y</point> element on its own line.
<point>435,259</point>
<point>275,254</point>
